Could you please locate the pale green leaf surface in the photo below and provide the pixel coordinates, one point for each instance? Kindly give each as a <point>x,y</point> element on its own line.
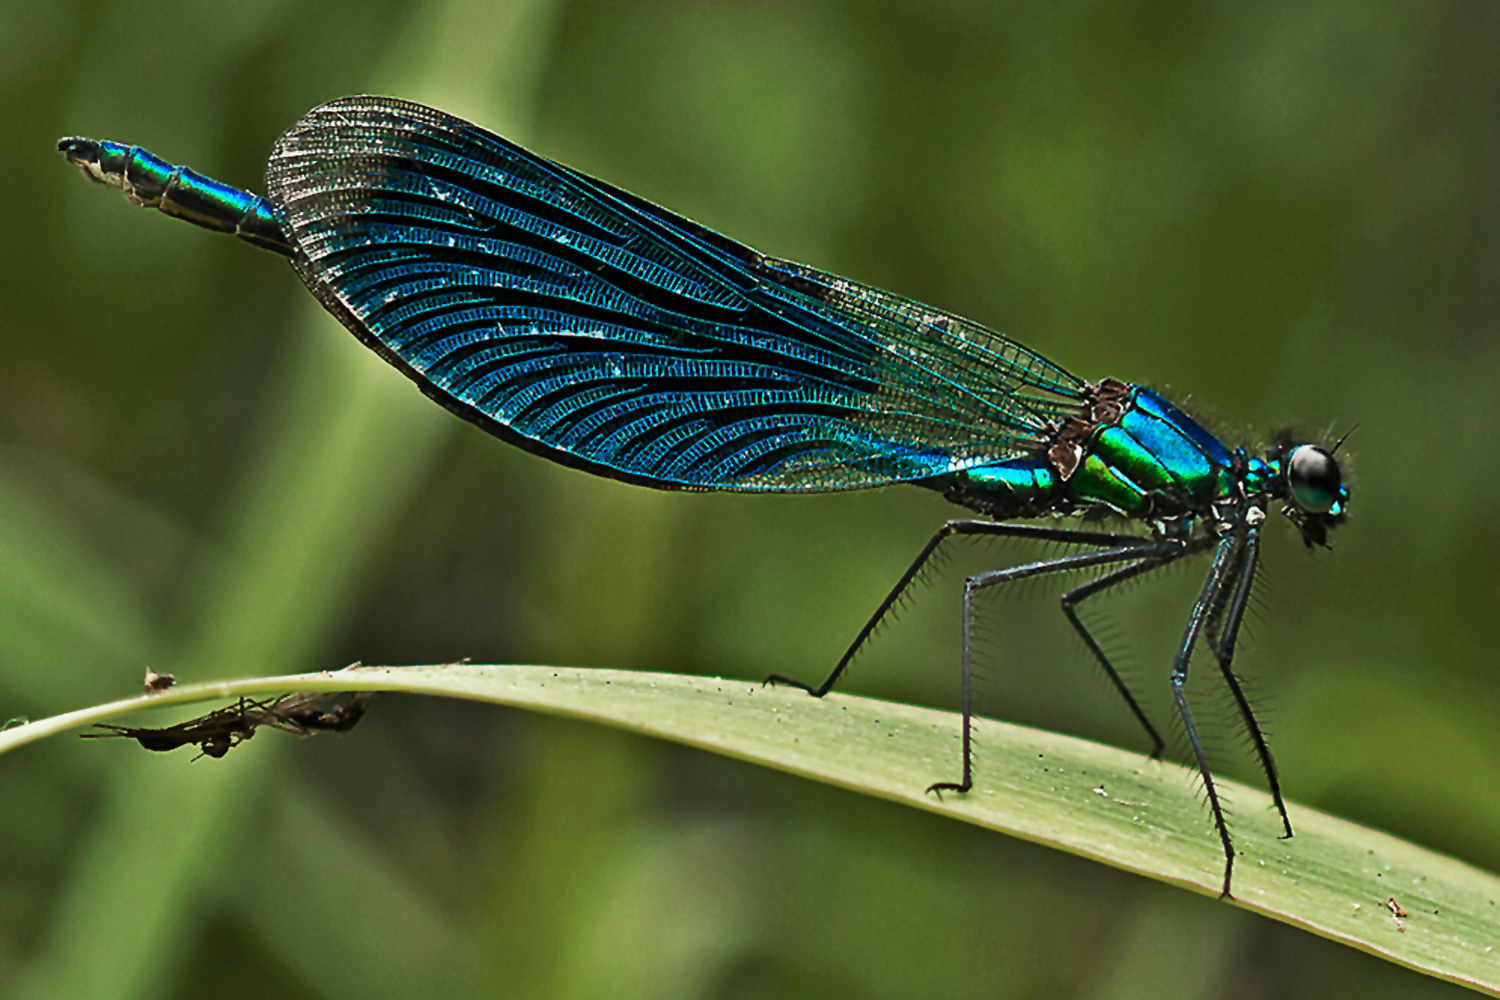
<point>1334,878</point>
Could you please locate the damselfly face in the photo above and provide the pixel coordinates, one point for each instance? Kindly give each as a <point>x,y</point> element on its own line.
<point>1314,490</point>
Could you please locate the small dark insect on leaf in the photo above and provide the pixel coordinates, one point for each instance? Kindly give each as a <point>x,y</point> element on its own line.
<point>156,682</point>
<point>338,719</point>
<point>1395,908</point>
<point>221,730</point>
<point>215,734</point>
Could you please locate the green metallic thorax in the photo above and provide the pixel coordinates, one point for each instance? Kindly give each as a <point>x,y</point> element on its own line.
<point>1134,454</point>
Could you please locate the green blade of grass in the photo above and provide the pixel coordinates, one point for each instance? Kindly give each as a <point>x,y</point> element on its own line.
<point>1335,878</point>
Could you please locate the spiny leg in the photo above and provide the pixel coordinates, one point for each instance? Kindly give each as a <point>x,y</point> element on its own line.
<point>1138,548</point>
<point>1228,631</point>
<point>1211,597</point>
<point>1072,598</point>
<point>1036,532</point>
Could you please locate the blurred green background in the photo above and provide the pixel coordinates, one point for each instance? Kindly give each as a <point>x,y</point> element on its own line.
<point>1275,212</point>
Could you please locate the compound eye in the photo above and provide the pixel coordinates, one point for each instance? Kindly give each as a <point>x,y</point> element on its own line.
<point>1313,475</point>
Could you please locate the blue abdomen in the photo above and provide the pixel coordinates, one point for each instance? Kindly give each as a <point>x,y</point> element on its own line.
<point>1017,487</point>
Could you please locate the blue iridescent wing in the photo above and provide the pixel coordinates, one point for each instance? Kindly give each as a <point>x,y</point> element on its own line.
<point>605,332</point>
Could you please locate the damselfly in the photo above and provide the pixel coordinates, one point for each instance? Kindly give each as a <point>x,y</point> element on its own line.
<point>604,332</point>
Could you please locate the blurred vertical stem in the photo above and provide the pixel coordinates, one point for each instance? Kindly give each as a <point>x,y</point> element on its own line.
<point>556,842</point>
<point>342,447</point>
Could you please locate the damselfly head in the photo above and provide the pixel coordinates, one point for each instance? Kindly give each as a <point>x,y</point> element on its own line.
<point>1313,487</point>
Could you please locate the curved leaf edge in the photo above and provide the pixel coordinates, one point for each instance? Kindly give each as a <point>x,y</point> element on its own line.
<point>1346,882</point>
